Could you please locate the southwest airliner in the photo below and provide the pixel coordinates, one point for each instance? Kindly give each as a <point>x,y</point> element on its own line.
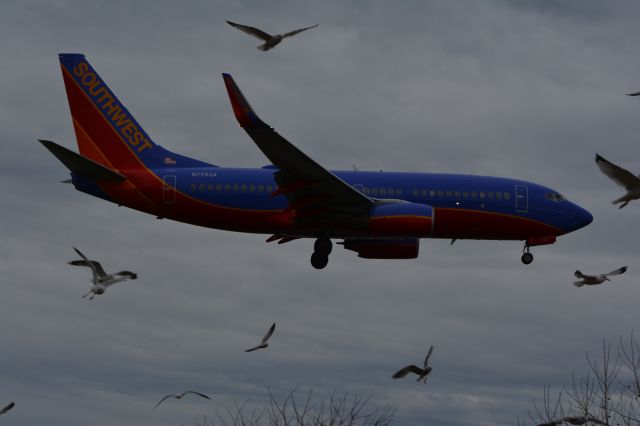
<point>379,215</point>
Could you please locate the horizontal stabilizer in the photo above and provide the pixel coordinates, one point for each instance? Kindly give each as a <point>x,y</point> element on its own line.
<point>82,166</point>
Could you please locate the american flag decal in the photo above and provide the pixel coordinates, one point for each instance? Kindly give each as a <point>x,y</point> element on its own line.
<point>169,160</point>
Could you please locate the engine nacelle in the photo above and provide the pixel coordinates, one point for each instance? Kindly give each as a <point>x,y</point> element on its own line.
<point>401,220</point>
<point>384,249</point>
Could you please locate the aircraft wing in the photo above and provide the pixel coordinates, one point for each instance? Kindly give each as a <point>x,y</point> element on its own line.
<point>313,192</point>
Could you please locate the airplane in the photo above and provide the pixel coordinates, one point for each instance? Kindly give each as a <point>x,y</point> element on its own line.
<point>378,215</point>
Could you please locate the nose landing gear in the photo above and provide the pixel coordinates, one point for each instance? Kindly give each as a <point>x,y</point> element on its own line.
<point>527,257</point>
<point>321,250</point>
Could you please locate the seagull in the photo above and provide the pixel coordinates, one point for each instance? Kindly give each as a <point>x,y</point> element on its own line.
<point>263,344</point>
<point>101,280</point>
<point>622,177</point>
<point>574,420</point>
<point>7,408</point>
<point>421,372</point>
<point>180,396</point>
<point>596,279</point>
<point>270,41</point>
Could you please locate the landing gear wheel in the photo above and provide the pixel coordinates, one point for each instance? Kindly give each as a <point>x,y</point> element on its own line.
<point>323,245</point>
<point>319,260</point>
<point>527,258</point>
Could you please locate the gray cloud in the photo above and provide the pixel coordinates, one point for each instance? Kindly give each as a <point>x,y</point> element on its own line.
<point>503,88</point>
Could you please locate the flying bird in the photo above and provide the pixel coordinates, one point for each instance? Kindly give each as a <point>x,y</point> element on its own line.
<point>7,408</point>
<point>622,177</point>
<point>596,279</point>
<point>263,344</point>
<point>574,420</point>
<point>179,396</point>
<point>633,94</point>
<point>101,280</point>
<point>422,373</point>
<point>270,41</point>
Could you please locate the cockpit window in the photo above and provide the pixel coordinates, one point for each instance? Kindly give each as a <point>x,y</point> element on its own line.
<point>553,196</point>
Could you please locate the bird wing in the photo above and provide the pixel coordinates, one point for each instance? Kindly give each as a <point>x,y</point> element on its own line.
<point>129,274</point>
<point>618,271</point>
<point>162,400</point>
<point>426,360</point>
<point>80,254</point>
<point>269,333</point>
<point>406,370</point>
<point>294,32</point>
<point>596,421</point>
<point>257,33</point>
<point>633,94</point>
<point>95,266</point>
<point>198,393</point>
<point>252,349</point>
<point>619,175</point>
<point>7,408</point>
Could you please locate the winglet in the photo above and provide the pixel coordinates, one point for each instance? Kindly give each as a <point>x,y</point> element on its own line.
<point>241,108</point>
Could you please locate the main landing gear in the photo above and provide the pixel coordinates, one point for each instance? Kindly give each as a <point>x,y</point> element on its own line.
<point>527,257</point>
<point>321,250</point>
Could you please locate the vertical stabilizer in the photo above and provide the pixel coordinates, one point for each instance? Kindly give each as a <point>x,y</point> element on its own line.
<point>105,130</point>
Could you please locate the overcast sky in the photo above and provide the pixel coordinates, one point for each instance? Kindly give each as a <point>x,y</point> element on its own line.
<point>525,89</point>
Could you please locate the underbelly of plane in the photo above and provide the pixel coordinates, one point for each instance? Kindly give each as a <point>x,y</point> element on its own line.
<point>484,225</point>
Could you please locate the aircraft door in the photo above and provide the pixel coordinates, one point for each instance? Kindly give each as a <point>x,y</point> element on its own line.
<point>522,198</point>
<point>169,189</point>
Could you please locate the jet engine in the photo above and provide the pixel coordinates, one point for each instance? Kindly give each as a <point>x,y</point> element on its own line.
<point>401,220</point>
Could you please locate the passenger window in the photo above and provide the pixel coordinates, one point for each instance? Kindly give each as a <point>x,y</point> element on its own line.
<point>210,187</point>
<point>398,191</point>
<point>269,188</point>
<point>244,188</point>
<point>432,193</point>
<point>383,191</point>
<point>474,194</point>
<point>260,188</point>
<point>424,192</point>
<point>456,194</point>
<point>252,188</point>
<point>440,193</point>
<point>236,187</point>
<point>499,195</point>
<point>415,192</point>
<point>390,191</point>
<point>507,196</point>
<point>366,190</point>
<point>227,187</point>
<point>193,187</point>
<point>374,191</point>
<point>201,187</point>
<point>218,187</point>
<point>465,194</point>
<point>490,195</point>
<point>482,195</point>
